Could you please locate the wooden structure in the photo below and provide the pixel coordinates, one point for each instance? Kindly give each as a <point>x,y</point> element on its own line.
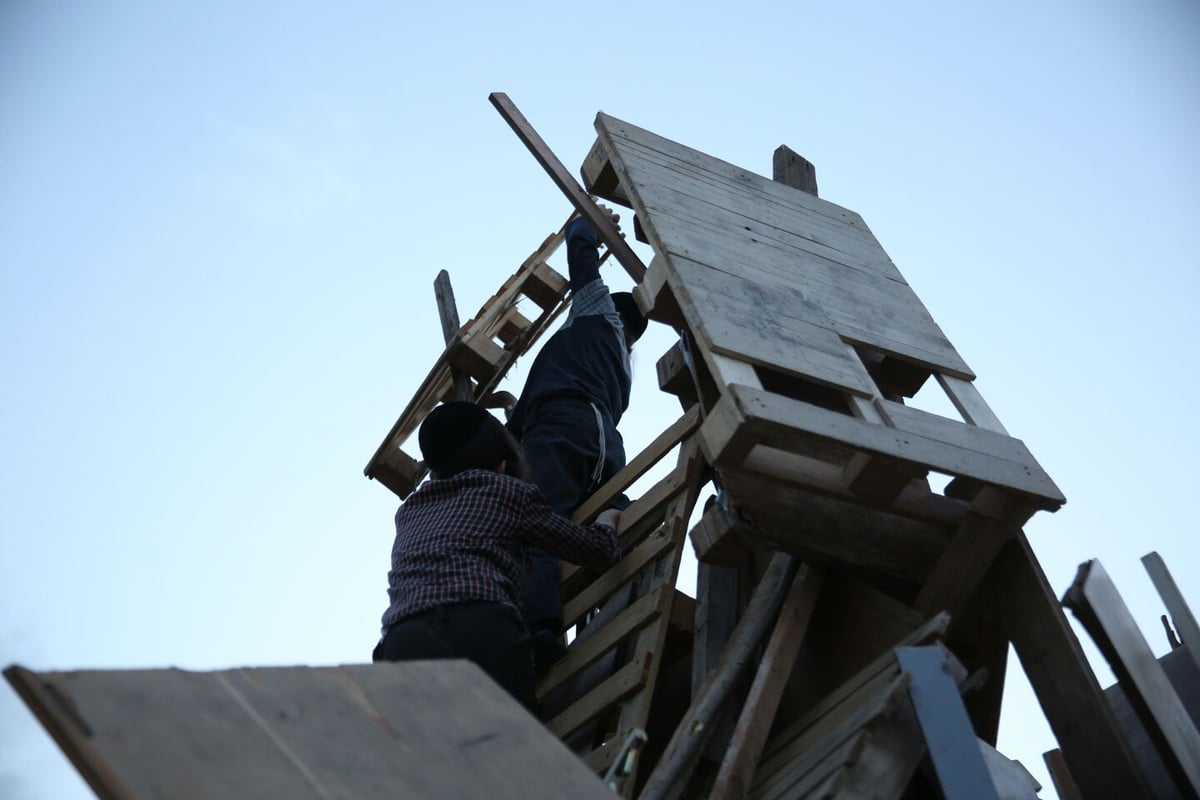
<point>837,590</point>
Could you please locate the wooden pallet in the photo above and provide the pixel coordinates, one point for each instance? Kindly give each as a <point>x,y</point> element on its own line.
<point>484,349</point>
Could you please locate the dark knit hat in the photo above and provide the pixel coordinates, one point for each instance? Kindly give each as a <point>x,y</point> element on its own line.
<point>446,429</point>
<point>631,316</point>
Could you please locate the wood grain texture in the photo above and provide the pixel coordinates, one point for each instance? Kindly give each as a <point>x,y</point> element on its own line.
<point>416,729</point>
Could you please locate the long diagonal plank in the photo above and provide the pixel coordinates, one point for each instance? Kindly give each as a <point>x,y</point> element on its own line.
<point>566,182</point>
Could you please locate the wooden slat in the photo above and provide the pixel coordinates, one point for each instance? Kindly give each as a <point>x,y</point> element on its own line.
<point>1181,613</point>
<point>1099,606</point>
<point>774,669</point>
<point>788,424</point>
<point>599,590</point>
<point>970,403</point>
<point>637,616</point>
<point>627,681</point>
<point>803,776</point>
<point>601,223</point>
<point>448,313</point>
<point>878,699</point>
<point>1064,784</point>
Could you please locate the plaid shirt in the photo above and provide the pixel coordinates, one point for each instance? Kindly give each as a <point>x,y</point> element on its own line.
<point>463,539</point>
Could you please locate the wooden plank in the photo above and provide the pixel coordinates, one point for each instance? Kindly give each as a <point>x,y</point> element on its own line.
<point>625,682</point>
<point>448,313</point>
<point>641,517</point>
<point>963,566</point>
<point>1099,607</point>
<point>1177,607</point>
<point>619,574</point>
<point>934,628</point>
<point>791,424</point>
<point>1080,717</point>
<point>636,156</point>
<point>718,538</point>
<point>970,403</point>
<point>637,616</point>
<point>1064,784</point>
<point>643,461</point>
<point>601,223</point>
<point>875,700</point>
<point>774,669</point>
<point>803,776</point>
<point>794,170</point>
<point>667,777</point>
<point>952,431</point>
<point>415,729</point>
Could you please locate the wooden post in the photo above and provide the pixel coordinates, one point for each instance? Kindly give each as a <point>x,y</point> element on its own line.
<point>1181,614</point>
<point>668,776</point>
<point>774,669</point>
<point>1092,743</point>
<point>794,170</point>
<point>448,312</point>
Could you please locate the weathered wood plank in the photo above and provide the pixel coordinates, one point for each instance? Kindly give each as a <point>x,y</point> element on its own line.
<point>774,669</point>
<point>448,313</point>
<point>646,610</point>
<point>600,221</point>
<point>793,169</point>
<point>685,745</point>
<point>1098,605</point>
<point>415,729</point>
<point>963,566</point>
<point>788,423</point>
<point>1181,613</point>
<point>626,681</point>
<point>1082,720</point>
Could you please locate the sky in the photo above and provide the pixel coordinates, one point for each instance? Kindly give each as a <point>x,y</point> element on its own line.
<point>220,224</point>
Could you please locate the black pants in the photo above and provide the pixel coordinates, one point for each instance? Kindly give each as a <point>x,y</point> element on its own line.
<point>489,634</point>
<point>562,445</point>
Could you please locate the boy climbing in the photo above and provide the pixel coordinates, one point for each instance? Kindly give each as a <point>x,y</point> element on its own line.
<point>459,553</point>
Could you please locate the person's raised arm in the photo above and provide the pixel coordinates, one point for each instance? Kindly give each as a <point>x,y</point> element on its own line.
<point>583,250</point>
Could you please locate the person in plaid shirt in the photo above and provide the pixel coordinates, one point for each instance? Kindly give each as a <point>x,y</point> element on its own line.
<point>460,552</point>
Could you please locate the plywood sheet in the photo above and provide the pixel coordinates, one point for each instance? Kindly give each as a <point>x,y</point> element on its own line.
<point>418,729</point>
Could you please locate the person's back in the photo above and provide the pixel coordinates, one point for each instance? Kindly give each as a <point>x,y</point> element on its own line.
<point>459,555</point>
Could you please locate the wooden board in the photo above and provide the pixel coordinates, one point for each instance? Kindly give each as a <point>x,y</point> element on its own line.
<point>1099,606</point>
<point>745,417</point>
<point>416,729</point>
<point>1092,744</point>
<point>698,207</point>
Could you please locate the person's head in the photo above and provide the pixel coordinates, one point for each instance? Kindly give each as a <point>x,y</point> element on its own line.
<point>631,317</point>
<point>459,436</point>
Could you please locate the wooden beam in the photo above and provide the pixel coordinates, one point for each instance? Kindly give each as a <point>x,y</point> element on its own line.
<point>774,669</point>
<point>684,747</point>
<point>1064,784</point>
<point>601,223</point>
<point>794,169</point>
<point>1081,718</point>
<point>1181,614</point>
<point>448,312</point>
<point>962,566</point>
<point>1096,603</point>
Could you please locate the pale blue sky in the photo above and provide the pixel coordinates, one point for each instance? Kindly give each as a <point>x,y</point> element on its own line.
<point>220,222</point>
